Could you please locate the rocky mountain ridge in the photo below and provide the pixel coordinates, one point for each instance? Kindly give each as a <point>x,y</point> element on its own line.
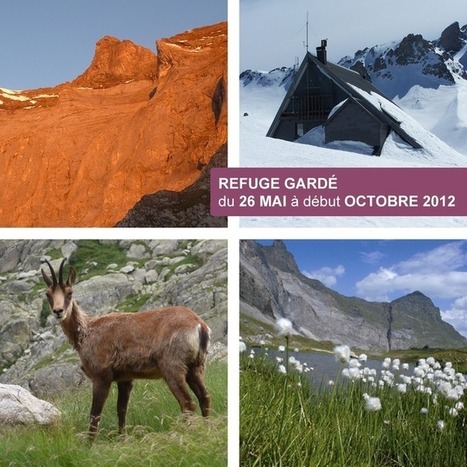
<point>132,124</point>
<point>271,286</point>
<point>395,67</point>
<point>123,275</point>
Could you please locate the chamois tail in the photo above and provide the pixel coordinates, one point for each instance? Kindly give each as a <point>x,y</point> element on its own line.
<point>204,340</point>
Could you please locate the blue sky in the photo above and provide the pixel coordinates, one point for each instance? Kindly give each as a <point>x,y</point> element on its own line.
<point>47,42</point>
<point>273,32</point>
<point>382,270</point>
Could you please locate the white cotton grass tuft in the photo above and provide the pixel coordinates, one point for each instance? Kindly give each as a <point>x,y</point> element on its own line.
<point>342,353</point>
<point>284,327</point>
<point>402,388</point>
<point>386,363</point>
<point>372,404</point>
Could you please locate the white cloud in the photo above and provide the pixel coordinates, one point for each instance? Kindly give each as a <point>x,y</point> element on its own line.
<point>372,257</point>
<point>447,257</point>
<point>457,315</point>
<point>379,285</point>
<point>434,273</point>
<point>327,275</point>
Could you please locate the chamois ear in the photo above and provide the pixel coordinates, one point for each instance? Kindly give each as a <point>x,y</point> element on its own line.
<point>71,277</point>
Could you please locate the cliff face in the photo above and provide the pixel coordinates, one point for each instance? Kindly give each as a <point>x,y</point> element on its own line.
<point>84,153</point>
<point>271,286</point>
<point>189,207</point>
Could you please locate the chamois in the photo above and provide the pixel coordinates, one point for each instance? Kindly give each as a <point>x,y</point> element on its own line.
<point>169,343</point>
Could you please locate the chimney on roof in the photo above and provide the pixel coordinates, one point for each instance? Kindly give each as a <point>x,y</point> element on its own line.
<point>321,51</point>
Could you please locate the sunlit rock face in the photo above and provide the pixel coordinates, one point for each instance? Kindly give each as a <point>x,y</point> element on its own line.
<point>134,123</point>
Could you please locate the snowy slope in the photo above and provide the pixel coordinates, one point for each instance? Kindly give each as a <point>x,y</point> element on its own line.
<point>442,111</point>
<point>258,106</point>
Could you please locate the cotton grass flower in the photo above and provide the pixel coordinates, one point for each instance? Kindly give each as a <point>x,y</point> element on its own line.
<point>459,406</point>
<point>440,425</point>
<point>282,369</point>
<point>342,353</point>
<point>241,346</point>
<point>372,404</point>
<point>354,374</point>
<point>386,363</point>
<point>284,327</point>
<point>402,388</point>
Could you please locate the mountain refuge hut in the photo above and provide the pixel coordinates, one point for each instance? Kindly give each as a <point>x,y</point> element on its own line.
<point>344,103</point>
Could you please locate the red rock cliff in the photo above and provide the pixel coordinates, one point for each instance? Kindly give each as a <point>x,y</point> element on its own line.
<point>84,153</point>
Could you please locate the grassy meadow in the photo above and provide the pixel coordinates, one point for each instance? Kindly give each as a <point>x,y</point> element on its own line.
<point>369,417</point>
<point>156,433</point>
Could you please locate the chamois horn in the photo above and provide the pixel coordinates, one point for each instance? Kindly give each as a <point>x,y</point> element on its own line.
<point>52,272</point>
<point>60,273</point>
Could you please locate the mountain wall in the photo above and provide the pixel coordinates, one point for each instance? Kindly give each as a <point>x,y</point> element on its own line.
<point>124,275</point>
<point>271,286</point>
<point>84,153</point>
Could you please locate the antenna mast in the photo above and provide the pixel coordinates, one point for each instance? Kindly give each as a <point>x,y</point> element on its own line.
<point>306,42</point>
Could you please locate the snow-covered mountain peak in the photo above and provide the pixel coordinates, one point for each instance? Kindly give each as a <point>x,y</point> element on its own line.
<point>395,67</point>
<point>278,77</point>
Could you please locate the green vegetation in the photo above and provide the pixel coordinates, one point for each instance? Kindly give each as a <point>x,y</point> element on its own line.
<point>45,312</point>
<point>94,256</point>
<point>134,302</point>
<point>285,421</point>
<point>190,259</point>
<point>457,356</point>
<point>156,432</point>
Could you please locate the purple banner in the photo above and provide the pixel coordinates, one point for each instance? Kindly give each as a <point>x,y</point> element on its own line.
<point>339,191</point>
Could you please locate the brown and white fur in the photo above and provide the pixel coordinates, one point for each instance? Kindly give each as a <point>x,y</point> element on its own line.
<point>169,343</point>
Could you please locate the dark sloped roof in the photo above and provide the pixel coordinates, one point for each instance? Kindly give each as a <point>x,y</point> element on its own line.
<point>346,79</point>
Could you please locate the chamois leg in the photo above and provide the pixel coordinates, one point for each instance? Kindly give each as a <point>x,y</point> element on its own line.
<point>124,390</point>
<point>177,384</point>
<point>195,379</point>
<point>100,391</point>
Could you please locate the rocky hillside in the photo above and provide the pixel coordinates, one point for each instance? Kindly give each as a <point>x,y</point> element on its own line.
<point>271,286</point>
<point>134,123</point>
<point>112,275</point>
<point>394,68</point>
